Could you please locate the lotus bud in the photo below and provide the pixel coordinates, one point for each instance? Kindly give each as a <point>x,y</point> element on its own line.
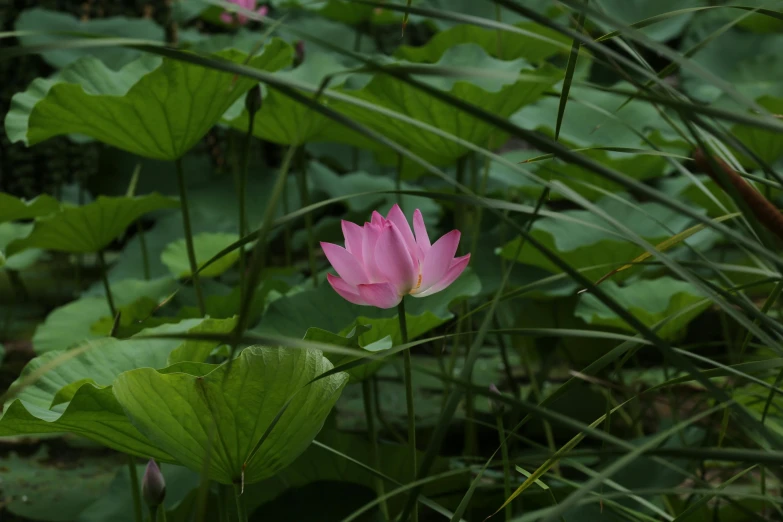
<point>153,485</point>
<point>253,100</point>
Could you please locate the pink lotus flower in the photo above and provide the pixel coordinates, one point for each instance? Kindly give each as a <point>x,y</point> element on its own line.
<point>382,261</point>
<point>242,19</point>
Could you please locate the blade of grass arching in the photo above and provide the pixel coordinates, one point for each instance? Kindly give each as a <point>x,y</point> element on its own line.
<point>620,488</point>
<point>642,39</point>
<point>672,67</point>
<point>402,489</point>
<point>699,283</point>
<point>736,369</point>
<point>625,460</point>
<point>665,245</point>
<point>672,265</point>
<point>569,74</point>
<point>710,495</point>
<point>540,483</point>
<point>589,43</point>
<point>424,500</point>
<point>534,477</point>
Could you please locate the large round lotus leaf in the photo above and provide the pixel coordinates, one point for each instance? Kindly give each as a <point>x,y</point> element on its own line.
<point>218,419</point>
<point>154,107</point>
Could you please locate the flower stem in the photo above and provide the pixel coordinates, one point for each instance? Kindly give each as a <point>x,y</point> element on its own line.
<point>183,196</point>
<point>367,395</point>
<point>304,197</point>
<point>242,196</point>
<point>106,286</point>
<point>135,491</point>
<point>145,260</point>
<point>506,464</point>
<point>161,513</point>
<point>406,357</point>
<point>241,508</point>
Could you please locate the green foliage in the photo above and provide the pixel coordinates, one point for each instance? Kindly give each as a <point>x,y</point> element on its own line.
<point>589,243</point>
<point>60,54</point>
<point>214,422</point>
<point>501,94</point>
<point>206,246</point>
<point>92,227</point>
<point>157,108</point>
<point>627,350</point>
<point>322,308</point>
<point>664,303</point>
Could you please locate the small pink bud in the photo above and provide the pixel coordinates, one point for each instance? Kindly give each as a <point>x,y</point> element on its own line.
<point>153,485</point>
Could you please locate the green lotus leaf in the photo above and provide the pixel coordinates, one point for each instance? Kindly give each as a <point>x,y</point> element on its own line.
<point>502,95</point>
<point>75,322</point>
<point>90,228</point>
<point>39,20</point>
<point>351,340</point>
<point>538,44</point>
<point>205,245</point>
<point>587,242</point>
<point>14,209</point>
<point>651,301</point>
<point>154,107</point>
<point>214,422</point>
<point>74,393</point>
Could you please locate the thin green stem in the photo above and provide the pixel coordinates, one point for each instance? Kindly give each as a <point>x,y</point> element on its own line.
<point>153,511</point>
<point>241,508</point>
<point>162,513</point>
<point>242,196</point>
<point>506,464</point>
<point>145,259</point>
<point>398,179</point>
<point>372,434</point>
<point>304,196</point>
<point>286,228</point>
<point>409,399</point>
<point>223,502</point>
<point>106,286</point>
<point>135,489</point>
<point>183,196</point>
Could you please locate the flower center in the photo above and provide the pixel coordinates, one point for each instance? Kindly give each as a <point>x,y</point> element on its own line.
<point>418,285</point>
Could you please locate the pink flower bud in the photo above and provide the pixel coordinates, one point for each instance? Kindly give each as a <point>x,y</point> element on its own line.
<point>153,485</point>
